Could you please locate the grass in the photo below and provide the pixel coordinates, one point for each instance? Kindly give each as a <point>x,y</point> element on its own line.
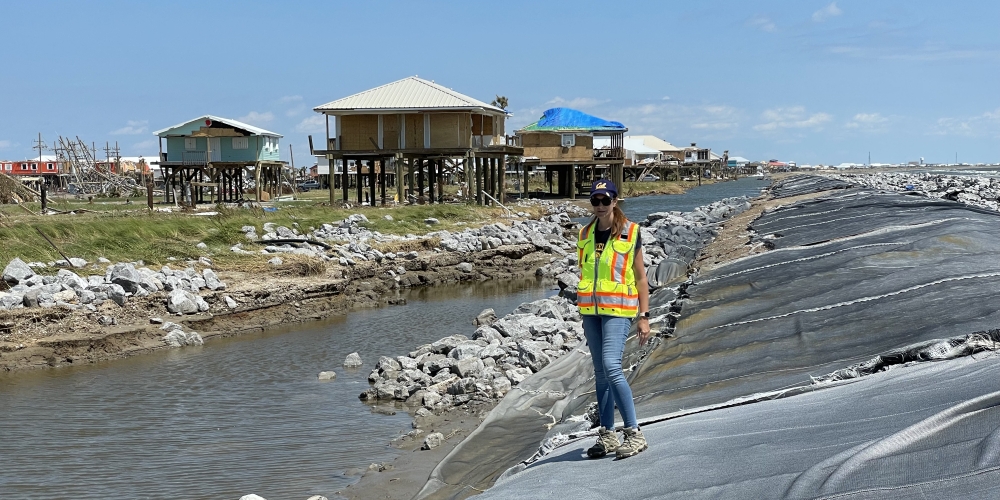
<point>128,232</point>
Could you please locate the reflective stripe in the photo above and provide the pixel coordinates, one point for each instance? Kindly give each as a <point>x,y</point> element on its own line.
<point>613,273</point>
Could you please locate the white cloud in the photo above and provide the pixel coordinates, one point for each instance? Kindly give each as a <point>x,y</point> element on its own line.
<point>791,118</point>
<point>868,122</point>
<point>927,52</point>
<point>133,127</point>
<point>984,124</point>
<point>577,103</point>
<point>255,118</point>
<point>666,98</point>
<point>762,23</point>
<point>827,12</point>
<point>294,104</point>
<point>146,147</point>
<point>5,144</point>
<point>313,125</point>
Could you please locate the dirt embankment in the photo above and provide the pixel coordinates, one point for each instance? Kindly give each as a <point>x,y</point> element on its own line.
<point>38,338</point>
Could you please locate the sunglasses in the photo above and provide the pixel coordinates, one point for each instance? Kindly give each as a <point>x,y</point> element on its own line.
<point>601,201</point>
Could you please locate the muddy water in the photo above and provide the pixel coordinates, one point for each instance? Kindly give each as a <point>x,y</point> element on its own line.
<point>239,415</point>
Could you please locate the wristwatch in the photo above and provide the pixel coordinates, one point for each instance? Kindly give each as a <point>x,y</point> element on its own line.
<point>644,315</point>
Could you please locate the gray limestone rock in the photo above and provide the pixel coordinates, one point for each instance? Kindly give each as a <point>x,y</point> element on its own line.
<point>433,440</point>
<point>532,355</point>
<point>212,281</point>
<point>329,375</point>
<point>353,360</point>
<point>10,301</point>
<point>487,333</point>
<point>126,276</point>
<point>182,302</point>
<point>17,271</point>
<point>180,338</point>
<point>465,351</point>
<point>465,267</point>
<point>385,363</point>
<point>230,302</point>
<point>116,293</point>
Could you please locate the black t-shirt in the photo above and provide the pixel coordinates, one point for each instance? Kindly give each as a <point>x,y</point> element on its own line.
<point>601,240</point>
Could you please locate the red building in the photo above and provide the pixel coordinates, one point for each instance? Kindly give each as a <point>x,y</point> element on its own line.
<point>47,166</point>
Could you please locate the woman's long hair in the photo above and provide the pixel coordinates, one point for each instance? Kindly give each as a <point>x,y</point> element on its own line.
<point>618,221</point>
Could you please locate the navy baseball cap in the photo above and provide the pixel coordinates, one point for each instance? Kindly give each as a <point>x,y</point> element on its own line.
<point>605,187</point>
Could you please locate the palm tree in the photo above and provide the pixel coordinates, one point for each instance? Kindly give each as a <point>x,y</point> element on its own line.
<point>500,102</point>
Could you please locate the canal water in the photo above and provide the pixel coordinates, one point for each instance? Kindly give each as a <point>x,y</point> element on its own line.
<point>243,414</point>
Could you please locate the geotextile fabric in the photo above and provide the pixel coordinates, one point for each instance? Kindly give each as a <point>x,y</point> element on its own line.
<point>831,366</point>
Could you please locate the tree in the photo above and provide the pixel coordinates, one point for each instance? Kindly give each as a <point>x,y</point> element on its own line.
<point>500,102</point>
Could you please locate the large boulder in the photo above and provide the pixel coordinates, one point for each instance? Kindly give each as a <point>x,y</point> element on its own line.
<point>353,360</point>
<point>17,271</point>
<point>212,281</point>
<point>180,338</point>
<point>126,276</point>
<point>532,355</point>
<point>182,302</point>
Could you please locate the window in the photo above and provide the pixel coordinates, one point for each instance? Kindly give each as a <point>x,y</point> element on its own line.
<point>24,166</point>
<point>568,140</point>
<point>241,142</point>
<point>34,166</point>
<point>49,166</point>
<point>8,167</point>
<point>190,143</point>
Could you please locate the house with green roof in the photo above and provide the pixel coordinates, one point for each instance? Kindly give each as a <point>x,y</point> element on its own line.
<point>212,157</point>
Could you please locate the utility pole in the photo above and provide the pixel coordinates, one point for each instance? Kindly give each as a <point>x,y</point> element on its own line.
<point>40,146</point>
<point>294,173</point>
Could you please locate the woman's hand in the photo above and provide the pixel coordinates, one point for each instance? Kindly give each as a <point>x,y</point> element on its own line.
<point>644,331</point>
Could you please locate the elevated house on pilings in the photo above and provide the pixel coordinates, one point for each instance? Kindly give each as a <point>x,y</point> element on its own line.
<point>421,132</point>
<point>214,156</point>
<point>562,141</point>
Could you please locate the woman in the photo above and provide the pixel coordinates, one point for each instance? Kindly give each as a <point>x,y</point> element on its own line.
<point>612,291</point>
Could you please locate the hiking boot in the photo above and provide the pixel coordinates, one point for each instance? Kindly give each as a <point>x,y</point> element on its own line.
<point>607,441</point>
<point>633,443</point>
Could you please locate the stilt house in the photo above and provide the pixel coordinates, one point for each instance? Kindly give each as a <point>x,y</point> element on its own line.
<point>426,132</point>
<point>562,141</point>
<point>211,155</point>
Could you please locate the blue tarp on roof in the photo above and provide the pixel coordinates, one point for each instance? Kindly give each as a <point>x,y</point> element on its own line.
<point>570,119</point>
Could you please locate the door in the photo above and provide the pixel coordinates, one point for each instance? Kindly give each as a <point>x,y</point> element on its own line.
<point>215,146</point>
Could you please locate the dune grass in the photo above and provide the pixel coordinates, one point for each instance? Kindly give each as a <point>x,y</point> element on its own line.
<point>129,232</point>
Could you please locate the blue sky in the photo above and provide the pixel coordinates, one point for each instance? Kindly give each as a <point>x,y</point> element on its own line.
<point>808,81</point>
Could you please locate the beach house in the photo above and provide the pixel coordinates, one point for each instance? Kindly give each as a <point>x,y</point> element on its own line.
<point>213,156</point>
<point>562,143</point>
<point>428,133</point>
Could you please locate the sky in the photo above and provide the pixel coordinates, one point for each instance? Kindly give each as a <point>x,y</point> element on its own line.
<point>815,82</point>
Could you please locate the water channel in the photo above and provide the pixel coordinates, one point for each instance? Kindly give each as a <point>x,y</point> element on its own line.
<point>243,414</point>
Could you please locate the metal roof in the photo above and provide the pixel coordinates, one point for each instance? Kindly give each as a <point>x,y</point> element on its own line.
<point>171,131</point>
<point>411,93</point>
<point>651,141</point>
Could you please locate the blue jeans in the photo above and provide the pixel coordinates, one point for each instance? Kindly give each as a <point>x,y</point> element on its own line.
<point>606,338</point>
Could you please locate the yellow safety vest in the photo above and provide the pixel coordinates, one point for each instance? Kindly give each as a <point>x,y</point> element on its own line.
<point>612,292</point>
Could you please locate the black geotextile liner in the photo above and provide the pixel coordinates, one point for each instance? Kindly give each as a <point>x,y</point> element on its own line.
<point>839,288</point>
<point>927,430</point>
<point>804,184</point>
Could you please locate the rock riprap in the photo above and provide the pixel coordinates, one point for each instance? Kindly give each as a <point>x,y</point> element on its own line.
<point>975,190</point>
<point>348,242</point>
<point>120,282</point>
<point>457,369</point>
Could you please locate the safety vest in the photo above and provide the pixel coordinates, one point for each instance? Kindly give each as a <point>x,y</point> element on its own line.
<point>612,292</point>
